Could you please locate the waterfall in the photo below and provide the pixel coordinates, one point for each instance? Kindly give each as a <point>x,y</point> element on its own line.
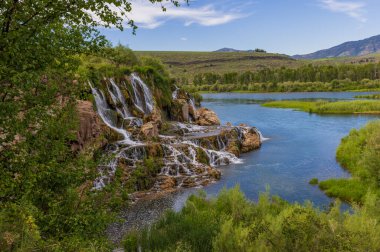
<point>181,152</point>
<point>175,93</point>
<point>118,99</point>
<point>262,138</point>
<point>108,115</point>
<point>142,97</point>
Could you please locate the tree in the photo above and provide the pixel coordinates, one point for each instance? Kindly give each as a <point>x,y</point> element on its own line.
<point>41,201</point>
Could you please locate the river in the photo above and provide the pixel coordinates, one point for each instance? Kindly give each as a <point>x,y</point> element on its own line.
<point>299,146</point>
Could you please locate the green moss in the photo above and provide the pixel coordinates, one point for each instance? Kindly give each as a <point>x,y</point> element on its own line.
<point>144,175</point>
<point>202,156</point>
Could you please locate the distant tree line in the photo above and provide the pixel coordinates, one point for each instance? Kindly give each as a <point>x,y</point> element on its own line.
<point>307,73</point>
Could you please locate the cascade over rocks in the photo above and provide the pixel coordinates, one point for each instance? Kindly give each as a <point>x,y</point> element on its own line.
<point>179,153</point>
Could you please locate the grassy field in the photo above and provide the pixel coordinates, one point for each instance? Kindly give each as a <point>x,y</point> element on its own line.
<point>324,107</point>
<point>187,64</point>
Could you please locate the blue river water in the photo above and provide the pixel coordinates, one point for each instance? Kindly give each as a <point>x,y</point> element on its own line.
<point>300,146</point>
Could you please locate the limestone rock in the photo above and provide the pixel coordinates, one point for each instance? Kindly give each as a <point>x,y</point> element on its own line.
<point>251,140</point>
<point>167,182</point>
<point>149,130</point>
<point>207,117</point>
<point>156,117</point>
<point>179,110</point>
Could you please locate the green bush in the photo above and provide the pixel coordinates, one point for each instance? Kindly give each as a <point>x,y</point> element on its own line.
<point>232,223</point>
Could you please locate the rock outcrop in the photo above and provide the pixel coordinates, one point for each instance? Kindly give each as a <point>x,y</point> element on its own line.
<point>251,140</point>
<point>149,130</point>
<point>207,117</point>
<point>90,125</point>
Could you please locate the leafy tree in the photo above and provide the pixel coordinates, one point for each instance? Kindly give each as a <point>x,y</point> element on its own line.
<point>45,201</point>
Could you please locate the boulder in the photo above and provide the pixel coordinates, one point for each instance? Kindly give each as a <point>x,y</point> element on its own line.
<point>251,140</point>
<point>149,130</point>
<point>207,117</point>
<point>90,125</point>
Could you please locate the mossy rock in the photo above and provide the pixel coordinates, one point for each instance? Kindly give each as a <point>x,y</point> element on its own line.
<point>202,157</point>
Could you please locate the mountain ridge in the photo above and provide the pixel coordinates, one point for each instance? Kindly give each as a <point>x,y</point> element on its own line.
<point>347,49</point>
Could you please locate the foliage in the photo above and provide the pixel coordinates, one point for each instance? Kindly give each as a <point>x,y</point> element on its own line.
<point>46,201</point>
<point>232,223</point>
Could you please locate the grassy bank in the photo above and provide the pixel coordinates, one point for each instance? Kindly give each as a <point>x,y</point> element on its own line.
<point>324,107</point>
<point>232,223</point>
<point>373,96</point>
<point>359,153</point>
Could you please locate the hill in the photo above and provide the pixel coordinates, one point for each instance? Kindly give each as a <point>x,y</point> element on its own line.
<point>187,64</point>
<point>226,49</point>
<point>348,49</point>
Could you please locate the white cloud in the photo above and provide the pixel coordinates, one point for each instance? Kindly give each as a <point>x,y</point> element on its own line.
<point>353,9</point>
<point>183,39</point>
<point>150,16</point>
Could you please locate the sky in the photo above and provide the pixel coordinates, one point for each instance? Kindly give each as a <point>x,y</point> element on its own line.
<point>279,26</point>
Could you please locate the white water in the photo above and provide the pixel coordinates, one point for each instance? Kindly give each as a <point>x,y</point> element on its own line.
<point>175,93</point>
<point>142,97</point>
<point>118,99</point>
<point>108,115</point>
<point>180,153</point>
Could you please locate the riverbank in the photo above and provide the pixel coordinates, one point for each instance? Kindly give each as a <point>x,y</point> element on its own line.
<point>359,153</point>
<point>325,107</point>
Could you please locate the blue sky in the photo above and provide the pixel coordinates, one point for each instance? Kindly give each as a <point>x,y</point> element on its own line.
<point>282,26</point>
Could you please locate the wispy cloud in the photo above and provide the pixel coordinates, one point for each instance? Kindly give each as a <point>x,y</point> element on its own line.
<point>149,16</point>
<point>354,9</point>
<point>183,39</point>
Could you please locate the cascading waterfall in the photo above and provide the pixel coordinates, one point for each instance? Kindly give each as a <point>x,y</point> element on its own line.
<point>175,93</point>
<point>180,153</point>
<point>142,97</point>
<point>118,99</point>
<point>108,115</point>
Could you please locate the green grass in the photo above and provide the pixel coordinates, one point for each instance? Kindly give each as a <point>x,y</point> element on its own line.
<point>349,190</point>
<point>373,96</point>
<point>313,181</point>
<point>359,153</point>
<point>324,107</point>
<point>297,105</point>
